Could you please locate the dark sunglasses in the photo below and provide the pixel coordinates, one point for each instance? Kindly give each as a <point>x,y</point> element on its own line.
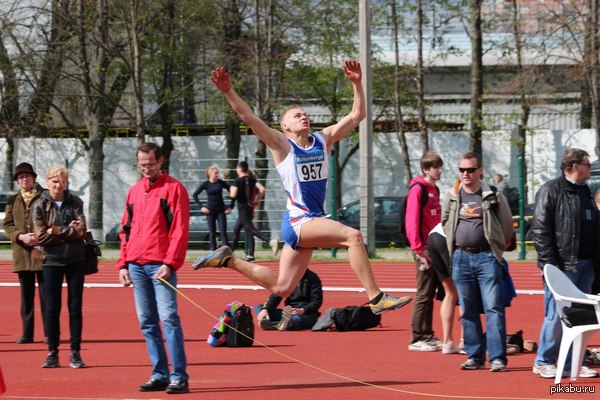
<point>467,170</point>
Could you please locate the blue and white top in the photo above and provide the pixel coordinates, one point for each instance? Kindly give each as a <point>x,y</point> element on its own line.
<point>304,174</point>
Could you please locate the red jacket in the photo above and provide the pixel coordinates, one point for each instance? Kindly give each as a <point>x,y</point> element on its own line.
<point>418,226</point>
<point>155,223</point>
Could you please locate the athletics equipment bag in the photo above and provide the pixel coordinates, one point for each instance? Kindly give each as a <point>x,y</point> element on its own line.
<point>235,327</point>
<point>355,318</point>
<point>350,318</point>
<point>579,314</point>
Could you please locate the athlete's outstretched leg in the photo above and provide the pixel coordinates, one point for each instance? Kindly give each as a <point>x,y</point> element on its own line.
<point>324,233</point>
<point>292,265</point>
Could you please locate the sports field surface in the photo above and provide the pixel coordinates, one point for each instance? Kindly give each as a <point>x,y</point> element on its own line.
<point>373,364</point>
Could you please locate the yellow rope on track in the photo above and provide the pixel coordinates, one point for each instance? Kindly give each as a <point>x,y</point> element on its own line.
<point>343,377</point>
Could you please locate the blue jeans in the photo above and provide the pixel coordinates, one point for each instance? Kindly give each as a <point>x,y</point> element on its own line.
<point>297,322</point>
<point>478,278</point>
<point>156,301</point>
<point>551,332</point>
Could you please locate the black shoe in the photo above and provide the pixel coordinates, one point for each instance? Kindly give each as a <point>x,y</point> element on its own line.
<point>23,340</point>
<point>51,361</point>
<point>76,361</point>
<point>268,325</point>
<point>154,385</point>
<point>177,387</point>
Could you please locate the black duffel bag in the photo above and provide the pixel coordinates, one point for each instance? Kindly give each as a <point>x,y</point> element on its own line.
<point>580,314</point>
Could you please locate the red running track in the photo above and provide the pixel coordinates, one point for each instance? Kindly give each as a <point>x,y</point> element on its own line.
<point>373,364</point>
<point>398,276</point>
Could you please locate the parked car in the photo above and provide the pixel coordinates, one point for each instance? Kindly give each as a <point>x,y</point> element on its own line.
<point>528,219</point>
<point>387,226</point>
<point>594,181</point>
<point>3,200</point>
<point>198,231</point>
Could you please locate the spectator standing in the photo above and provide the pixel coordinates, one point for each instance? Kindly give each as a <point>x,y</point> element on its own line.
<point>566,233</point>
<point>302,160</point>
<point>59,228</point>
<point>154,239</point>
<point>499,182</point>
<point>214,209</point>
<point>248,193</point>
<point>422,215</point>
<point>438,252</point>
<point>301,307</point>
<point>18,226</point>
<point>596,284</point>
<point>478,226</point>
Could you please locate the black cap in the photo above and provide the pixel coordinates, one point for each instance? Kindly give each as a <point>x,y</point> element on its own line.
<point>24,168</point>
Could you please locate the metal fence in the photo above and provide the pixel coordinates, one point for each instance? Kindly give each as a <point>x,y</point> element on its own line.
<point>192,155</point>
<point>191,173</point>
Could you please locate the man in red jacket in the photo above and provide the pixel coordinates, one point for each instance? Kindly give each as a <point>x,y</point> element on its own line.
<point>154,237</point>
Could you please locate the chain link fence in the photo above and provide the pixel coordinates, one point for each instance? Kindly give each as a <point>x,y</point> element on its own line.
<point>193,154</point>
<point>191,173</point>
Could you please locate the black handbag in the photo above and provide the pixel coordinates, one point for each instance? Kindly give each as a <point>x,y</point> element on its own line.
<point>580,314</point>
<point>516,339</point>
<point>92,252</point>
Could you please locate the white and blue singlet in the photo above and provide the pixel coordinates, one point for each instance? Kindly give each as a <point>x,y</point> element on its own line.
<point>304,174</point>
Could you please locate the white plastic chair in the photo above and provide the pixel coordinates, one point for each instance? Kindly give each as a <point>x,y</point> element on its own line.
<point>565,293</point>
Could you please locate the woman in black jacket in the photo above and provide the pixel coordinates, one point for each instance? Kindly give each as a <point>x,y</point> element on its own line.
<point>59,227</point>
<point>214,209</point>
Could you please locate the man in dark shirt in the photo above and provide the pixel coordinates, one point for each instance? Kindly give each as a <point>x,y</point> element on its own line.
<point>248,193</point>
<point>301,309</point>
<point>566,233</point>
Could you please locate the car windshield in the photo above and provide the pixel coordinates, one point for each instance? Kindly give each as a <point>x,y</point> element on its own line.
<point>353,211</point>
<point>389,207</point>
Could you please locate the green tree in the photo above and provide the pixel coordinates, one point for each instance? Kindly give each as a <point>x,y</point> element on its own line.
<point>323,38</point>
<point>30,72</point>
<point>270,55</point>
<point>398,99</point>
<point>102,79</point>
<point>476,111</point>
<point>176,64</point>
<point>571,37</point>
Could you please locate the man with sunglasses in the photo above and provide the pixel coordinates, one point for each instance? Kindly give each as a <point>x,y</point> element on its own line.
<point>478,226</point>
<point>566,233</point>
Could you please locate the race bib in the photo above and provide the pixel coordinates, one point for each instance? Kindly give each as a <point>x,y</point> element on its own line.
<point>310,167</point>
